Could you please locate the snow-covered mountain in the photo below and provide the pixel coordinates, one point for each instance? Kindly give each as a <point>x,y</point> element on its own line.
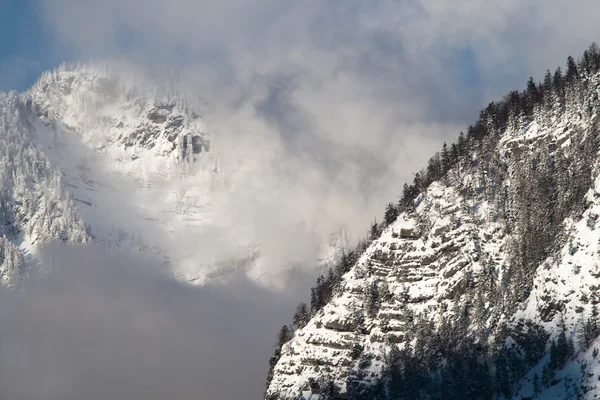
<point>484,281</point>
<point>136,158</point>
<point>104,153</point>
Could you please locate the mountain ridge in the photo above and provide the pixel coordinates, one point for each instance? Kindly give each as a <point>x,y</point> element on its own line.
<point>481,282</point>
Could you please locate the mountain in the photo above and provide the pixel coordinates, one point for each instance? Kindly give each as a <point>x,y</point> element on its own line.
<point>483,280</point>
<point>106,154</point>
<point>135,157</point>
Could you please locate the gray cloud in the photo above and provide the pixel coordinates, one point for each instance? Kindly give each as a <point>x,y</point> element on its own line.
<point>114,326</point>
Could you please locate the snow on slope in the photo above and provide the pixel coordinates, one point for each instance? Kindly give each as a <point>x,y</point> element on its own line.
<point>460,242</point>
<point>423,274</point>
<point>35,205</point>
<point>137,160</point>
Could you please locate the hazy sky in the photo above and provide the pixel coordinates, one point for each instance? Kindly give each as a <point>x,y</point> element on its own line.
<point>114,327</point>
<point>339,101</point>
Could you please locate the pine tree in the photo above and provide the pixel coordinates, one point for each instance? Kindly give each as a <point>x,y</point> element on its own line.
<point>547,375</point>
<point>418,182</point>
<point>560,350</point>
<point>329,391</point>
<point>391,213</point>
<point>434,170</point>
<point>445,159</point>
<point>594,53</point>
<point>302,316</point>
<point>11,261</point>
<point>588,329</point>
<point>572,73</point>
<point>372,300</point>
<point>345,263</point>
<point>375,231</point>
<point>285,335</point>
<point>547,81</point>
<point>536,385</point>
<point>557,81</point>
<point>316,298</point>
<point>454,154</point>
<point>531,96</point>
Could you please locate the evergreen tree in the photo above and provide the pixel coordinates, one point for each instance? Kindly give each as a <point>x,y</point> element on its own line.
<point>329,391</point>
<point>445,159</point>
<point>547,81</point>
<point>391,213</point>
<point>434,169</point>
<point>532,96</point>
<point>594,57</point>
<point>302,316</point>
<point>547,375</point>
<point>559,350</point>
<point>536,385</point>
<point>285,335</point>
<point>557,81</point>
<point>588,329</point>
<point>454,154</point>
<point>345,263</point>
<point>572,73</point>
<point>375,231</point>
<point>418,182</point>
<point>372,300</point>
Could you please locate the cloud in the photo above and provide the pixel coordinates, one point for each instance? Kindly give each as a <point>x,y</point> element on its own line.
<point>320,111</point>
<point>115,326</point>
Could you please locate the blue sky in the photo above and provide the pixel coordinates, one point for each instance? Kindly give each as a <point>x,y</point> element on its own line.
<point>26,45</point>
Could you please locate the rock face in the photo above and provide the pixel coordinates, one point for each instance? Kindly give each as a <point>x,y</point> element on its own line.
<point>119,113</point>
<point>92,152</point>
<point>499,251</point>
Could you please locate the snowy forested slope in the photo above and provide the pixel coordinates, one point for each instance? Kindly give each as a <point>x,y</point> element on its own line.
<point>35,205</point>
<point>482,281</point>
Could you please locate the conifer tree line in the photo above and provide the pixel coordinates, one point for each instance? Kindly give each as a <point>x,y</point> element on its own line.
<point>547,185</point>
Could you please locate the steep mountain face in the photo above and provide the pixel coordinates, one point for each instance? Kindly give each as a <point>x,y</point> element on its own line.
<point>90,152</point>
<point>136,159</point>
<point>485,285</point>
<point>121,114</point>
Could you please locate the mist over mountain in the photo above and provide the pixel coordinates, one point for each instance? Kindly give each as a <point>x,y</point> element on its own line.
<point>104,157</point>
<point>135,164</point>
<point>176,175</point>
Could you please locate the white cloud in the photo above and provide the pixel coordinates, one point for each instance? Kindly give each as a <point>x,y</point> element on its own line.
<point>323,110</point>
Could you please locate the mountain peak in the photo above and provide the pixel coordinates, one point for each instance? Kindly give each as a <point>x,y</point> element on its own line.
<point>117,109</point>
